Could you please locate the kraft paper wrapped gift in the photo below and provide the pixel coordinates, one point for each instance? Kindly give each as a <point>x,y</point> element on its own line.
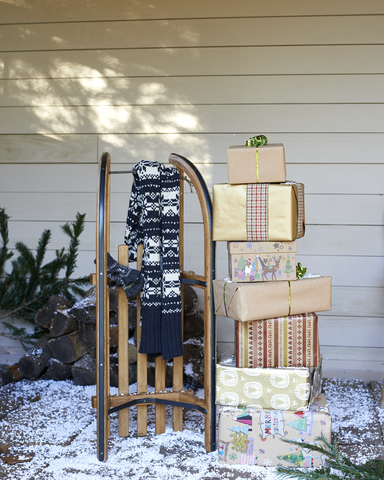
<point>253,437</point>
<point>291,341</point>
<point>258,212</point>
<point>267,166</point>
<point>261,261</point>
<point>250,301</point>
<point>272,388</point>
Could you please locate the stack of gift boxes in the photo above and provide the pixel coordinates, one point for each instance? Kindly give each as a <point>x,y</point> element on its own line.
<point>272,388</point>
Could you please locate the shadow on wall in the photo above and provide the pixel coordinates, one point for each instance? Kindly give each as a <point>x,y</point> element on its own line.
<point>93,78</point>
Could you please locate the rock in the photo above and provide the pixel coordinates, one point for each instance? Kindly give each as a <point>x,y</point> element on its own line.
<point>35,361</point>
<point>113,296</point>
<point>193,324</point>
<point>84,371</point>
<point>67,348</point>
<point>115,377</point>
<point>132,353</point>
<point>189,297</point>
<point>16,374</point>
<point>58,302</point>
<point>43,317</point>
<point>168,375</point>
<point>62,323</point>
<point>132,317</point>
<point>194,362</point>
<point>58,370</point>
<point>113,337</point>
<point>5,375</point>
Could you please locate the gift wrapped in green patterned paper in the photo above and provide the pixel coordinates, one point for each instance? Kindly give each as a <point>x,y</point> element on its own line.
<point>288,388</point>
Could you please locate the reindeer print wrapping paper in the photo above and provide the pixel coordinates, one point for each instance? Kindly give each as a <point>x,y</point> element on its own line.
<point>272,388</point>
<point>261,261</point>
<point>291,341</point>
<point>252,436</point>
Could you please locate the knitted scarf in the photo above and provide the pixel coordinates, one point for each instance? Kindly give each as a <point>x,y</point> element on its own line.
<point>153,221</point>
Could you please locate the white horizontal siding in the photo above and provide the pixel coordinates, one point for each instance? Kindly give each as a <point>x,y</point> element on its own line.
<point>69,11</point>
<point>142,80</point>
<point>308,148</point>
<point>308,118</point>
<point>246,31</point>
<point>179,90</point>
<point>293,60</point>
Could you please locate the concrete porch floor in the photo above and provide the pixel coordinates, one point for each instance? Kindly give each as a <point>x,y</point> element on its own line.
<point>48,432</point>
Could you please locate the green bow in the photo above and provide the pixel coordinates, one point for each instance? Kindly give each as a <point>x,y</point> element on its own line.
<point>256,141</point>
<point>300,270</point>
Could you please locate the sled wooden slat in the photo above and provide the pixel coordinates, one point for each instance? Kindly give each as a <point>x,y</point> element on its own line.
<point>123,338</point>
<point>142,368</point>
<point>178,398</point>
<point>160,387</point>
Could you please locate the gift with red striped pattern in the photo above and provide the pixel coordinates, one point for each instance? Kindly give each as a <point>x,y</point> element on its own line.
<point>290,341</point>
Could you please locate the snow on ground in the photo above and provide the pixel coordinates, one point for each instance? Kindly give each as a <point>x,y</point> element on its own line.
<point>50,427</point>
<point>56,434</point>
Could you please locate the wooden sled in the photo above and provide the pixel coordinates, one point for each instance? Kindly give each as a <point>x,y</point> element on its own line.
<point>104,402</point>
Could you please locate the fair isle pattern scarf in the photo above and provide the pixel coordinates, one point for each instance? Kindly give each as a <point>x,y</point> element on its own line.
<point>153,221</point>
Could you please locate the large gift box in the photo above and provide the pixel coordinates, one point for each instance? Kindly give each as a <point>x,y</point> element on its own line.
<point>260,300</point>
<point>272,388</point>
<point>291,341</point>
<point>264,165</point>
<point>261,261</point>
<point>258,212</point>
<point>253,436</point>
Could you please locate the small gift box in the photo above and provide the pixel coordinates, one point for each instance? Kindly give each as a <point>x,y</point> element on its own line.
<point>291,341</point>
<point>263,164</point>
<point>260,300</point>
<point>258,212</point>
<point>261,261</point>
<point>289,388</point>
<point>253,436</point>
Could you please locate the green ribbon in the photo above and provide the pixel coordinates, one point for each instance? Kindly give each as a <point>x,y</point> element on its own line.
<point>300,270</point>
<point>257,141</point>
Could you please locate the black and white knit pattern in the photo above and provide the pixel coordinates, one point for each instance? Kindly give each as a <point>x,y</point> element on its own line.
<point>153,221</point>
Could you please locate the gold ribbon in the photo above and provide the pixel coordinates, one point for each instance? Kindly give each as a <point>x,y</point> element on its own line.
<point>257,141</point>
<point>225,306</point>
<point>289,297</point>
<point>246,339</point>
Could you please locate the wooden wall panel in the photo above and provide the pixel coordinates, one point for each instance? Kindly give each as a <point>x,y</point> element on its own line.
<point>143,80</point>
<point>290,60</point>
<point>308,118</point>
<point>351,332</point>
<point>212,148</point>
<point>346,271</point>
<point>258,89</point>
<point>248,31</point>
<point>35,149</point>
<point>70,10</point>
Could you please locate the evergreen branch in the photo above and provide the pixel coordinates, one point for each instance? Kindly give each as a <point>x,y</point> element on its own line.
<point>338,466</point>
<point>30,283</point>
<point>5,254</point>
<point>42,247</point>
<point>73,231</point>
